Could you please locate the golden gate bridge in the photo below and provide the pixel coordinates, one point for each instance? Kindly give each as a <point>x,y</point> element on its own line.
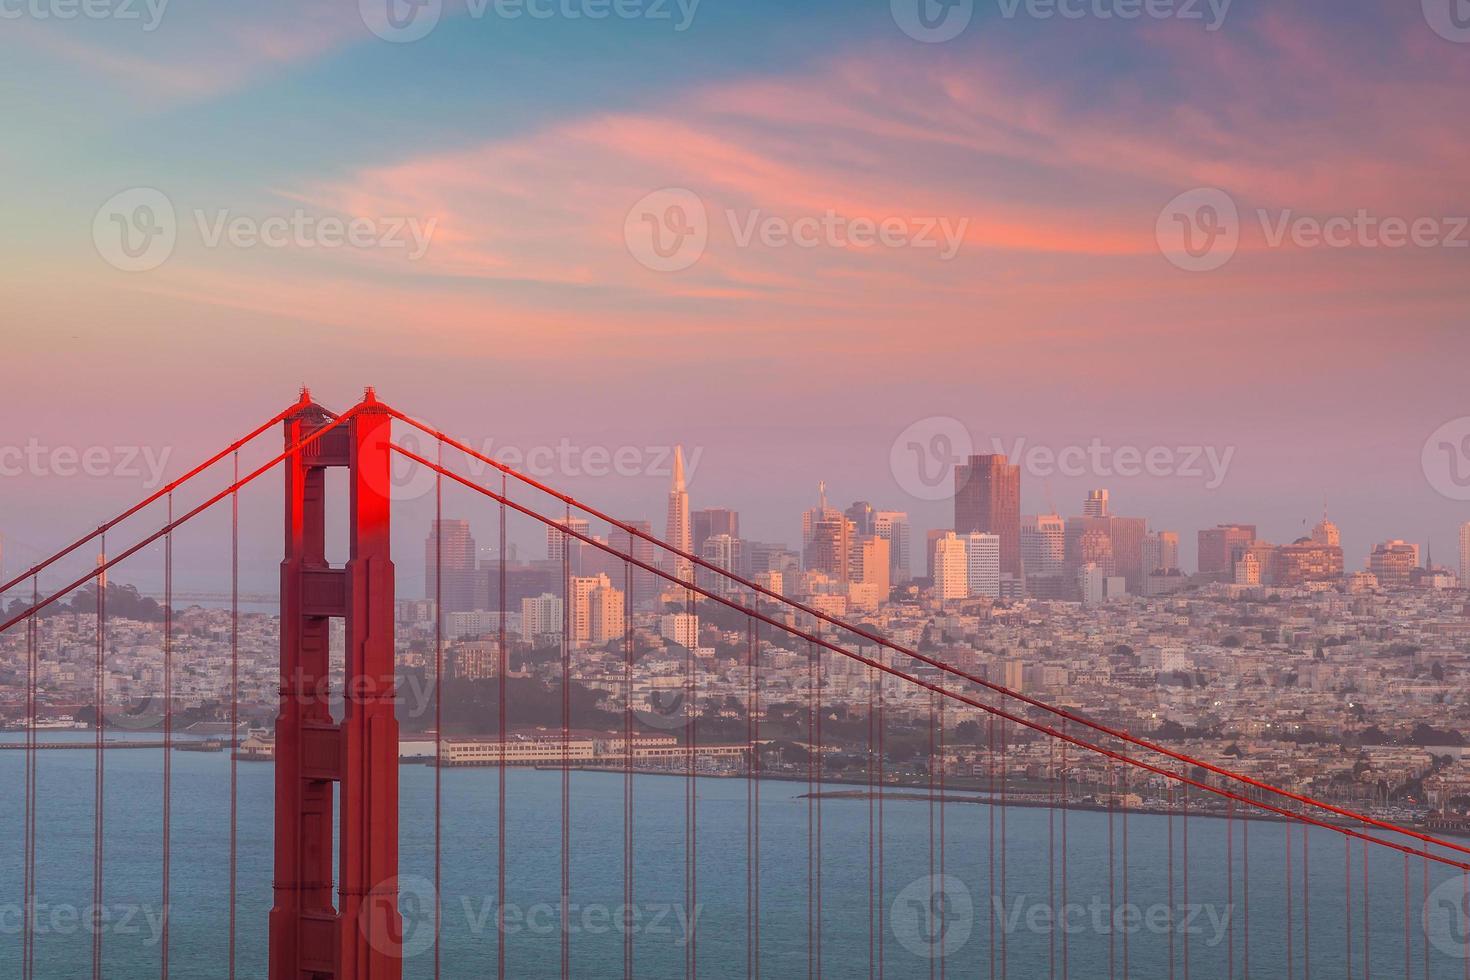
<point>335,911</point>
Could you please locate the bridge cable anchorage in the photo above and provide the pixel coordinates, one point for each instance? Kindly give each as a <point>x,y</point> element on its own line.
<point>918,682</point>
<point>106,564</point>
<point>152,498</point>
<point>981,682</point>
<point>438,709</point>
<point>503,677</point>
<point>168,732</point>
<point>234,708</point>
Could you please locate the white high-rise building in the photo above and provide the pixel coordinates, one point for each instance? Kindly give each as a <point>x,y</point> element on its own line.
<point>1043,544</point>
<point>982,564</point>
<point>1465,555</point>
<point>951,570</point>
<point>678,531</point>
<point>540,616</point>
<point>723,552</point>
<point>680,628</point>
<point>893,526</point>
<point>1092,583</point>
<point>557,539</point>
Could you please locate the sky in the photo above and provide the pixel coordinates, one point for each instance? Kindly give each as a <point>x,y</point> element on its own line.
<point>832,241</point>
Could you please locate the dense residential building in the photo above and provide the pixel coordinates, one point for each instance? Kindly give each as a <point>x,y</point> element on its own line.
<point>987,497</point>
<point>541,616</point>
<point>680,628</point>
<point>1306,560</point>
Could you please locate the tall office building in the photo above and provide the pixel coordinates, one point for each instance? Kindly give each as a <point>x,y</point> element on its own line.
<point>816,515</point>
<point>1160,551</point>
<point>1465,555</point>
<point>645,584</point>
<point>558,542</point>
<point>871,565</point>
<point>1096,504</point>
<point>951,568</point>
<point>541,616</point>
<point>1044,555</point>
<point>893,526</point>
<point>863,516</point>
<point>678,530</point>
<point>723,552</point>
<point>451,547</point>
<point>1326,533</point>
<point>982,564</point>
<point>987,498</point>
<point>830,549</point>
<point>1220,546</point>
<point>1393,563</point>
<point>711,521</point>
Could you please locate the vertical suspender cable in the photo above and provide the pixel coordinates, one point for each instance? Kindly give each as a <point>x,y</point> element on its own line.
<point>1112,873</point>
<point>935,896</point>
<point>1230,887</point>
<point>234,704</point>
<point>1004,773</point>
<point>1347,898</point>
<point>1306,904</point>
<point>1290,920</point>
<point>691,792</point>
<point>872,902</point>
<point>628,767</point>
<point>99,781</point>
<point>168,729</point>
<point>1172,908</point>
<point>1184,825</point>
<point>28,897</point>
<point>882,784</point>
<point>990,806</point>
<point>1066,957</point>
<point>501,676</point>
<point>1367,943</point>
<point>1127,782</point>
<point>751,953</point>
<point>1245,884</point>
<point>438,707</point>
<point>811,816</point>
<point>942,954</point>
<point>755,654</point>
<point>566,743</point>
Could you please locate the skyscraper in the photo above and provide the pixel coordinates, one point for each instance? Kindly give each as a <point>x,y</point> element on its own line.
<point>811,518</point>
<point>1043,554</point>
<point>982,564</point>
<point>677,530</point>
<point>1465,555</point>
<point>714,520</point>
<point>893,525</point>
<point>862,515</point>
<point>987,497</point>
<point>645,584</point>
<point>1393,563</point>
<point>951,570</point>
<point>1096,504</point>
<point>450,545</point>
<point>1221,545</point>
<point>1160,551</point>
